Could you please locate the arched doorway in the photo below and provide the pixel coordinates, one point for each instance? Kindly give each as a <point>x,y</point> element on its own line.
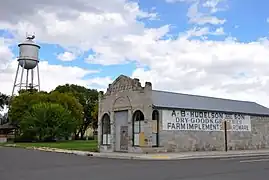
<point>155,128</point>
<point>138,124</point>
<point>106,129</point>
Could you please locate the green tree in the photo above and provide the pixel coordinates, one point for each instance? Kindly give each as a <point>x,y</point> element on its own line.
<point>47,122</point>
<point>95,117</point>
<point>3,118</point>
<point>69,102</point>
<point>23,103</point>
<point>88,98</point>
<point>31,90</point>
<point>3,100</point>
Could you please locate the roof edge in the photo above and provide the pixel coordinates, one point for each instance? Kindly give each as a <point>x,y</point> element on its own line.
<point>179,108</point>
<point>170,92</point>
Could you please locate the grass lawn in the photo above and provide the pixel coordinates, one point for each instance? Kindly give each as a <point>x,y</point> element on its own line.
<point>90,145</point>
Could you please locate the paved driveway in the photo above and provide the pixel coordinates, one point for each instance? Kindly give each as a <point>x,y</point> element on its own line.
<point>21,164</point>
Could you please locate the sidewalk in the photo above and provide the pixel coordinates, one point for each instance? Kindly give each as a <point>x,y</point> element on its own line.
<point>183,155</point>
<point>164,156</point>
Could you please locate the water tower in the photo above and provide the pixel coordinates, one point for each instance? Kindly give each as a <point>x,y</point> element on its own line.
<point>27,61</point>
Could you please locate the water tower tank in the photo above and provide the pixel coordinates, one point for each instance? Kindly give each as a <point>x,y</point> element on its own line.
<point>28,53</point>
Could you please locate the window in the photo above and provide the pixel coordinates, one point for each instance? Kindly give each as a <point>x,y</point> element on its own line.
<point>138,132</point>
<point>106,129</point>
<point>155,128</point>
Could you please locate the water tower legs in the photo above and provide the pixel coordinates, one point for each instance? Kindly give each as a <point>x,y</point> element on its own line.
<point>26,82</point>
<point>27,75</point>
<point>38,78</point>
<point>21,76</point>
<point>15,81</point>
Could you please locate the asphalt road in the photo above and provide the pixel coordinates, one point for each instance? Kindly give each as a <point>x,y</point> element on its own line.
<point>22,164</point>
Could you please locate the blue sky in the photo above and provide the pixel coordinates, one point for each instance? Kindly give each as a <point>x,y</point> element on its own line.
<point>206,47</point>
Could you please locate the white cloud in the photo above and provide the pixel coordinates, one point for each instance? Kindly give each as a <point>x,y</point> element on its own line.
<point>66,56</point>
<point>219,31</point>
<point>174,1</point>
<point>197,17</point>
<point>121,50</point>
<point>226,68</point>
<point>202,32</point>
<point>4,50</point>
<point>75,23</point>
<point>201,12</point>
<point>214,5</point>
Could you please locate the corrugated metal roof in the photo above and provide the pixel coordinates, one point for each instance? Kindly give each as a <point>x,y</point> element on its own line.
<point>185,101</point>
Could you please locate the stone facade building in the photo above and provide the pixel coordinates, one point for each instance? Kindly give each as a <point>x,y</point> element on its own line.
<point>135,118</point>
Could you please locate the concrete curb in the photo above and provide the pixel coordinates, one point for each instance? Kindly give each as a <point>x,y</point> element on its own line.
<point>80,153</point>
<point>148,156</point>
<point>221,156</point>
<point>165,157</point>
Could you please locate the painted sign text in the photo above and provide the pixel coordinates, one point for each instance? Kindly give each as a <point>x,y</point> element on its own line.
<point>204,121</point>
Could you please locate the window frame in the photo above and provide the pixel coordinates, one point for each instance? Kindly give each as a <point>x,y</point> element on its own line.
<point>138,119</point>
<point>156,113</point>
<point>105,123</point>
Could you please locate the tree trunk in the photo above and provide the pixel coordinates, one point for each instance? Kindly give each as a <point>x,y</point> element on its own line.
<point>76,135</point>
<point>83,130</point>
<point>82,133</point>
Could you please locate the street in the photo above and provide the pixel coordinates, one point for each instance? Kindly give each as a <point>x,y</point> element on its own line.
<point>22,164</point>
